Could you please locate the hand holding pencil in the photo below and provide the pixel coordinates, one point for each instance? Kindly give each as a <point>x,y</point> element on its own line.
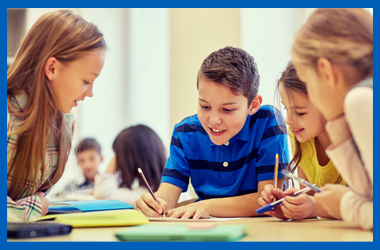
<point>160,209</point>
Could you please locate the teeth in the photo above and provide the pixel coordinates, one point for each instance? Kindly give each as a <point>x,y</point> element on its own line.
<point>216,131</point>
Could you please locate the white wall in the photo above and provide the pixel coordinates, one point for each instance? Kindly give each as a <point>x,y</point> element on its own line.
<point>267,34</point>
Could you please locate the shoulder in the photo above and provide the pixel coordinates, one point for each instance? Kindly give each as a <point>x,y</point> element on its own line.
<point>70,123</point>
<point>265,116</point>
<point>189,124</point>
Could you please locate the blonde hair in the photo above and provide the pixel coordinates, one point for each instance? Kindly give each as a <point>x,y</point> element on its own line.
<point>344,36</point>
<point>65,36</point>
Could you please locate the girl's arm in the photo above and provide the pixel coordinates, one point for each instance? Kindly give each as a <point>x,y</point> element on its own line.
<point>27,209</point>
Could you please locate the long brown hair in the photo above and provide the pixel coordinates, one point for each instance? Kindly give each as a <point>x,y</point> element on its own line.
<point>65,36</point>
<point>343,36</point>
<point>290,82</point>
<point>139,147</point>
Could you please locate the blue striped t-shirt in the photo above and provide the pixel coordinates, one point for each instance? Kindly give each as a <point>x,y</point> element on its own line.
<point>232,169</point>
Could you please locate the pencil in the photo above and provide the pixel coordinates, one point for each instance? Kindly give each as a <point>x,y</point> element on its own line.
<point>150,190</point>
<point>275,175</point>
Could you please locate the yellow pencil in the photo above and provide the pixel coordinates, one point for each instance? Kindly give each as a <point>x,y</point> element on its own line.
<point>275,174</point>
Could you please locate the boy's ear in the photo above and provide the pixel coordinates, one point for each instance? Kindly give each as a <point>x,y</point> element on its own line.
<point>50,68</point>
<point>327,71</point>
<point>255,105</point>
<point>101,158</point>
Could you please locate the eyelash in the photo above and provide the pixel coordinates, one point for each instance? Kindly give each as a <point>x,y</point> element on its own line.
<point>87,82</point>
<point>300,114</point>
<point>226,110</point>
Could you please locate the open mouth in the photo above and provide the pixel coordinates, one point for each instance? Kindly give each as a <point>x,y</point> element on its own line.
<point>216,132</point>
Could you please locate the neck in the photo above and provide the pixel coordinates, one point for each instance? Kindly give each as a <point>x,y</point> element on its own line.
<point>322,141</point>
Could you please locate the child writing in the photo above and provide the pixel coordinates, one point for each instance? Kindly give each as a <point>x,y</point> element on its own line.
<point>333,55</point>
<point>54,68</point>
<point>228,149</point>
<point>89,156</point>
<point>135,147</point>
<point>308,140</point>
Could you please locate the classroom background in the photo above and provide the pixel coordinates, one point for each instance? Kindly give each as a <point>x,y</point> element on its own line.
<point>149,75</point>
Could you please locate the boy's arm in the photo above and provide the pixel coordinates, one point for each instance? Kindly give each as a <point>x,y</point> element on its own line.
<point>238,206</point>
<point>170,193</point>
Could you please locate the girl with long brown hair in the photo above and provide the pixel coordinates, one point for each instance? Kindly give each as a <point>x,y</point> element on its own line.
<point>333,55</point>
<point>308,142</point>
<point>135,147</point>
<point>54,68</point>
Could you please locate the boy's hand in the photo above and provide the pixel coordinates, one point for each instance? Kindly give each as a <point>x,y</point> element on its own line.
<point>267,197</point>
<point>44,202</point>
<point>296,208</point>
<point>196,210</point>
<point>148,206</point>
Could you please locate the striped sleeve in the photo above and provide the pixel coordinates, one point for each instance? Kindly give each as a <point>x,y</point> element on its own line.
<point>274,141</point>
<point>24,210</point>
<point>177,169</point>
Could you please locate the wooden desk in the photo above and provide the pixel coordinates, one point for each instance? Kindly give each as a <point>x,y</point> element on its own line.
<point>260,229</point>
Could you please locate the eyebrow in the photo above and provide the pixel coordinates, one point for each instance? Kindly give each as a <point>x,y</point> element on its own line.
<point>227,103</point>
<point>296,107</point>
<point>95,74</point>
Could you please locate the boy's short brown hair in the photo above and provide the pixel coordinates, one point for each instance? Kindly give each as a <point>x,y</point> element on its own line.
<point>234,68</point>
<point>86,144</point>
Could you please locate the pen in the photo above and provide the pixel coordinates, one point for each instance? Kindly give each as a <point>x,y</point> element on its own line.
<point>302,181</point>
<point>275,175</point>
<point>150,190</point>
<point>273,205</point>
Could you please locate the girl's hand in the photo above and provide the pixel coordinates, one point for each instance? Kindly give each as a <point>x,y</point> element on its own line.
<point>148,206</point>
<point>196,210</point>
<point>267,197</point>
<point>44,202</point>
<point>330,197</point>
<point>296,208</point>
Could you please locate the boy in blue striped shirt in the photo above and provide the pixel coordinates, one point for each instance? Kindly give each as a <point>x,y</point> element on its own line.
<point>227,150</point>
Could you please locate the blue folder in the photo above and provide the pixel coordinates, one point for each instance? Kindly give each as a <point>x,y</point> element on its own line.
<point>87,206</point>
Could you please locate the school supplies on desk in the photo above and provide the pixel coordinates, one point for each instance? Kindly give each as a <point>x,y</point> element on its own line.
<point>301,181</point>
<point>86,206</point>
<point>36,229</point>
<point>182,233</point>
<point>275,174</point>
<point>124,217</point>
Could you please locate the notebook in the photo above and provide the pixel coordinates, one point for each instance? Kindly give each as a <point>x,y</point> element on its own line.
<point>123,217</point>
<point>86,206</point>
<point>182,233</point>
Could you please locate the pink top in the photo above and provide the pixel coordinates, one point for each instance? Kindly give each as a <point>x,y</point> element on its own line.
<point>356,205</point>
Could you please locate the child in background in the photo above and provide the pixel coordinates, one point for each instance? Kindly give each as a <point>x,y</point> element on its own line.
<point>333,55</point>
<point>89,157</point>
<point>227,150</point>
<point>308,140</point>
<point>135,147</point>
<point>54,68</point>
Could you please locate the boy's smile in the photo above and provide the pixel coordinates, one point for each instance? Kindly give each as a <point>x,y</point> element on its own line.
<point>221,113</point>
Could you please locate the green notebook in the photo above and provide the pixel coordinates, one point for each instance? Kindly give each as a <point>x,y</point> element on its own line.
<point>182,233</point>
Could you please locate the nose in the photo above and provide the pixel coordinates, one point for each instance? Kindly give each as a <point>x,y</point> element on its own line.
<point>215,118</point>
<point>288,119</point>
<point>89,92</point>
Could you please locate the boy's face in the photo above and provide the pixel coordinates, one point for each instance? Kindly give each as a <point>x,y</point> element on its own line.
<point>89,160</point>
<point>221,113</point>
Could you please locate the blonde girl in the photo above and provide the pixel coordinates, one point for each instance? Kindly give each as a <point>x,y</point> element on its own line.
<point>333,55</point>
<point>308,142</point>
<point>54,68</point>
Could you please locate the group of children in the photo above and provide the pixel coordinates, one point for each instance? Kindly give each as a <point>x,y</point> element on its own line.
<point>228,148</point>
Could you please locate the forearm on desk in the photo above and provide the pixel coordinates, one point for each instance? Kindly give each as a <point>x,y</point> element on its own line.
<point>237,206</point>
<point>170,193</point>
